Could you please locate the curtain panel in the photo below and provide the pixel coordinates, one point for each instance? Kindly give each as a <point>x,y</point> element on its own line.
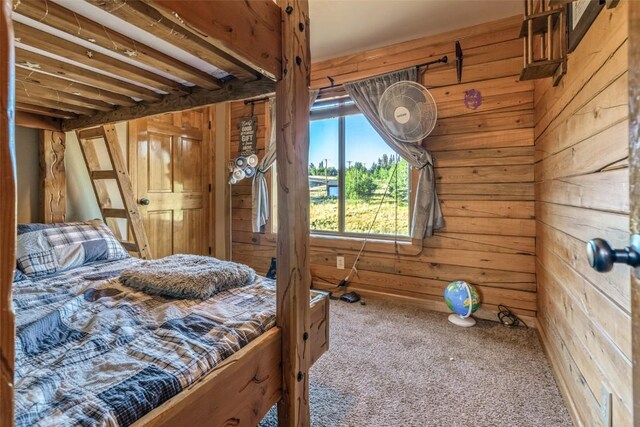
<point>366,93</point>
<point>260,206</point>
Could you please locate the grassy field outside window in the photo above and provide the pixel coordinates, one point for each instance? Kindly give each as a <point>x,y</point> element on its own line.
<point>350,167</point>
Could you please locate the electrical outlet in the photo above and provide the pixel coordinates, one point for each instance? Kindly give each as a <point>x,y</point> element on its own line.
<point>606,401</point>
<point>340,262</point>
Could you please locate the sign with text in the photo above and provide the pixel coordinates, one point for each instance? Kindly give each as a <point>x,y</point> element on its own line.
<point>248,135</point>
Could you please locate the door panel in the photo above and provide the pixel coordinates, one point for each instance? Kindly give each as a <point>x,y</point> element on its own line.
<point>159,228</point>
<point>189,165</point>
<point>159,163</point>
<point>171,173</point>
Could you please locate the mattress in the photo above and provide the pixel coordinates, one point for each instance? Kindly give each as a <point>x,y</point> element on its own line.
<point>90,351</point>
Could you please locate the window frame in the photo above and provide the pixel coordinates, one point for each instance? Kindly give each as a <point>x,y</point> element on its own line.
<point>346,107</point>
<point>376,243</point>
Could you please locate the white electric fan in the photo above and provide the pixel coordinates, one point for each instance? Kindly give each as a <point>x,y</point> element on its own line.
<point>408,111</point>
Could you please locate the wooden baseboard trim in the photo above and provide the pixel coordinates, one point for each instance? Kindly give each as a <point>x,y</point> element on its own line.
<point>562,386</point>
<point>438,306</point>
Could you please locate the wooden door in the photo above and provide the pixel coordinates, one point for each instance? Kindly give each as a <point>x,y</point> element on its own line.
<point>169,163</point>
<point>634,191</point>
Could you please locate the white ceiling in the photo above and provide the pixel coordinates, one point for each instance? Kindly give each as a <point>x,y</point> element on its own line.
<point>340,27</point>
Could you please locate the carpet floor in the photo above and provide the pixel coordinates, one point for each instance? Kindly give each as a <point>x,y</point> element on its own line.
<point>395,365</point>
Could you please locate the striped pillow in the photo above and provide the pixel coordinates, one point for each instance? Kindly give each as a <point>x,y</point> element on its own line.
<point>44,249</point>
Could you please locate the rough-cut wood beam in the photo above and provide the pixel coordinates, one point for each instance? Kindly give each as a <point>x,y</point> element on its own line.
<point>29,60</point>
<point>71,87</point>
<point>230,91</point>
<point>37,121</point>
<point>43,111</point>
<point>7,215</point>
<point>52,103</point>
<point>34,89</point>
<point>150,20</point>
<point>58,46</point>
<point>293,275</point>
<point>65,20</point>
<point>52,176</point>
<point>634,190</point>
<point>246,30</point>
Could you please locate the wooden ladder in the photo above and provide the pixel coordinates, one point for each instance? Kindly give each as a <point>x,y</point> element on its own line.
<point>118,173</point>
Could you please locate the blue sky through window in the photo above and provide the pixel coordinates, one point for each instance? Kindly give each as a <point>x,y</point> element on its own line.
<point>367,192</point>
<point>363,142</point>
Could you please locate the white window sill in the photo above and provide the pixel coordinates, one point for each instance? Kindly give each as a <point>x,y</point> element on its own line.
<point>409,247</point>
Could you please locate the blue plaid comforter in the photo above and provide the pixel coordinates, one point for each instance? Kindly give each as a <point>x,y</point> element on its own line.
<point>90,351</point>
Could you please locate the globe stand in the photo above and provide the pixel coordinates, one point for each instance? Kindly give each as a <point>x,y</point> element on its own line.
<point>458,320</point>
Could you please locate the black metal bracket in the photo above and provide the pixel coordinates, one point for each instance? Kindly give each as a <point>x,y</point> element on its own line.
<point>442,60</point>
<point>459,61</point>
<point>254,100</point>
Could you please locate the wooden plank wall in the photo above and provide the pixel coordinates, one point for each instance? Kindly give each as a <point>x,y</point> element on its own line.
<point>53,176</point>
<point>581,174</point>
<point>484,168</point>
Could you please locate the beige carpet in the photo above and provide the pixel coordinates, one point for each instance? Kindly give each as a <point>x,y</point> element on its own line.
<point>396,365</point>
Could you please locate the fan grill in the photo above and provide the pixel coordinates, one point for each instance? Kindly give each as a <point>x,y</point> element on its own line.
<point>408,111</point>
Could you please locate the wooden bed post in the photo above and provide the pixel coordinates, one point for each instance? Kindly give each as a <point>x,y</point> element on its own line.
<point>52,175</point>
<point>293,275</point>
<point>7,213</point>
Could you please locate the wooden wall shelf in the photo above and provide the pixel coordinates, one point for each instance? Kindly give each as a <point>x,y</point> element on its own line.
<point>540,69</point>
<point>544,33</point>
<point>540,21</point>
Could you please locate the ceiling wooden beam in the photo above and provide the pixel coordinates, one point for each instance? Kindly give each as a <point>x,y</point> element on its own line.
<point>30,59</point>
<point>44,41</point>
<point>34,89</point>
<point>69,86</point>
<point>37,121</point>
<point>246,30</point>
<point>43,111</point>
<point>152,21</point>
<point>67,21</point>
<point>52,103</point>
<point>231,90</point>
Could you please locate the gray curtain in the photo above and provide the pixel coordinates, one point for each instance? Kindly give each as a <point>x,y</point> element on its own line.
<point>260,210</point>
<point>366,93</point>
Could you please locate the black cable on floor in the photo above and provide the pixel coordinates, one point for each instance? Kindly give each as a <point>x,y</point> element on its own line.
<point>508,318</point>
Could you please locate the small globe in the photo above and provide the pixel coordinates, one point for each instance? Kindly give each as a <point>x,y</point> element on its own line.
<point>456,295</point>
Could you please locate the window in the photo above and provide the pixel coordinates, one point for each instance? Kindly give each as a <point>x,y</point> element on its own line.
<point>350,167</point>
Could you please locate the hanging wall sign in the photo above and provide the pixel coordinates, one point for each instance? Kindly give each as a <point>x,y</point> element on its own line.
<point>248,135</point>
<point>244,166</point>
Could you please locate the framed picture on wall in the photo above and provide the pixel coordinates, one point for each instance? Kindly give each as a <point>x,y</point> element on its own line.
<point>580,16</point>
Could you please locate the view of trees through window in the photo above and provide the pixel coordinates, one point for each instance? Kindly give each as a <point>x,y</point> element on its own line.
<point>350,167</point>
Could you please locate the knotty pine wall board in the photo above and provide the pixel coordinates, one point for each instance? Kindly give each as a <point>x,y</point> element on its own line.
<point>582,192</point>
<point>484,160</point>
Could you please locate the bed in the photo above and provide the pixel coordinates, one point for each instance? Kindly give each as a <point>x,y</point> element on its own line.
<point>264,47</point>
<point>91,351</point>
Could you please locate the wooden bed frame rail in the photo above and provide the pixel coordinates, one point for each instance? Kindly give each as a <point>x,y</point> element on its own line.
<point>258,42</point>
<point>242,389</point>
